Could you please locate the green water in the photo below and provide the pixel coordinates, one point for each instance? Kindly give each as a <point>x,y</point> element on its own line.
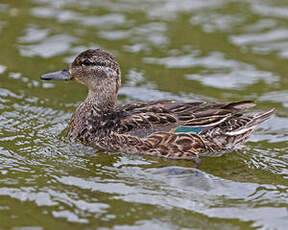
<point>190,50</point>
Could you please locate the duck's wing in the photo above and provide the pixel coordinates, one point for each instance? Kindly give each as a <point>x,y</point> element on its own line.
<point>144,118</point>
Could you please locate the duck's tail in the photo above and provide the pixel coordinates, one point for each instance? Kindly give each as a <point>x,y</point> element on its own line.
<point>253,123</point>
<point>260,118</point>
<point>237,132</point>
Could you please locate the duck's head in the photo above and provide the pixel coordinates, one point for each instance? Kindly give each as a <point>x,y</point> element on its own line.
<point>95,68</point>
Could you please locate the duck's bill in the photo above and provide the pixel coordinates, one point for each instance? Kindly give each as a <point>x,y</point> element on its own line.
<point>59,75</point>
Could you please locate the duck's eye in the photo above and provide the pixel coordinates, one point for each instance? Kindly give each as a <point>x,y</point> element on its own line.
<point>87,62</point>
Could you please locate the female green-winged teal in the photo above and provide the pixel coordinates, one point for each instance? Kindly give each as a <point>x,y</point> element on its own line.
<point>162,128</point>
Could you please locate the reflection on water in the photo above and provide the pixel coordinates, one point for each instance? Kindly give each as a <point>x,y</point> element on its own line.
<point>2,69</point>
<point>183,50</point>
<point>239,74</point>
<point>276,96</point>
<point>60,44</point>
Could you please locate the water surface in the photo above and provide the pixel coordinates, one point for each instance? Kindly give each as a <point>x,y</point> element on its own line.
<point>189,50</point>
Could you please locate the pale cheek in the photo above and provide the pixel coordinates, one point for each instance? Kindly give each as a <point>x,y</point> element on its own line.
<point>76,73</point>
<point>93,85</point>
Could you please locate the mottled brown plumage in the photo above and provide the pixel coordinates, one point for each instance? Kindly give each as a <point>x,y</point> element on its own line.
<point>164,128</point>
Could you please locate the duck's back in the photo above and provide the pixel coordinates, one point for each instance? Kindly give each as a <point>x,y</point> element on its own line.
<point>143,119</point>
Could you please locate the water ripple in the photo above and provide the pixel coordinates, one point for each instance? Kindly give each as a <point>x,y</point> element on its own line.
<point>49,47</point>
<point>183,50</point>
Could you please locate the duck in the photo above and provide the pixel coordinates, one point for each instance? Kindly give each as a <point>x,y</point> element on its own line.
<point>165,128</point>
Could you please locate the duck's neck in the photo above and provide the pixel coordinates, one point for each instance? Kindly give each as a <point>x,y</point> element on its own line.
<point>93,109</point>
<point>102,102</point>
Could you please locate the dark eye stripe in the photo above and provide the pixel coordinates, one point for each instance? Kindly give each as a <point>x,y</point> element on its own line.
<point>100,63</point>
<point>87,62</point>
